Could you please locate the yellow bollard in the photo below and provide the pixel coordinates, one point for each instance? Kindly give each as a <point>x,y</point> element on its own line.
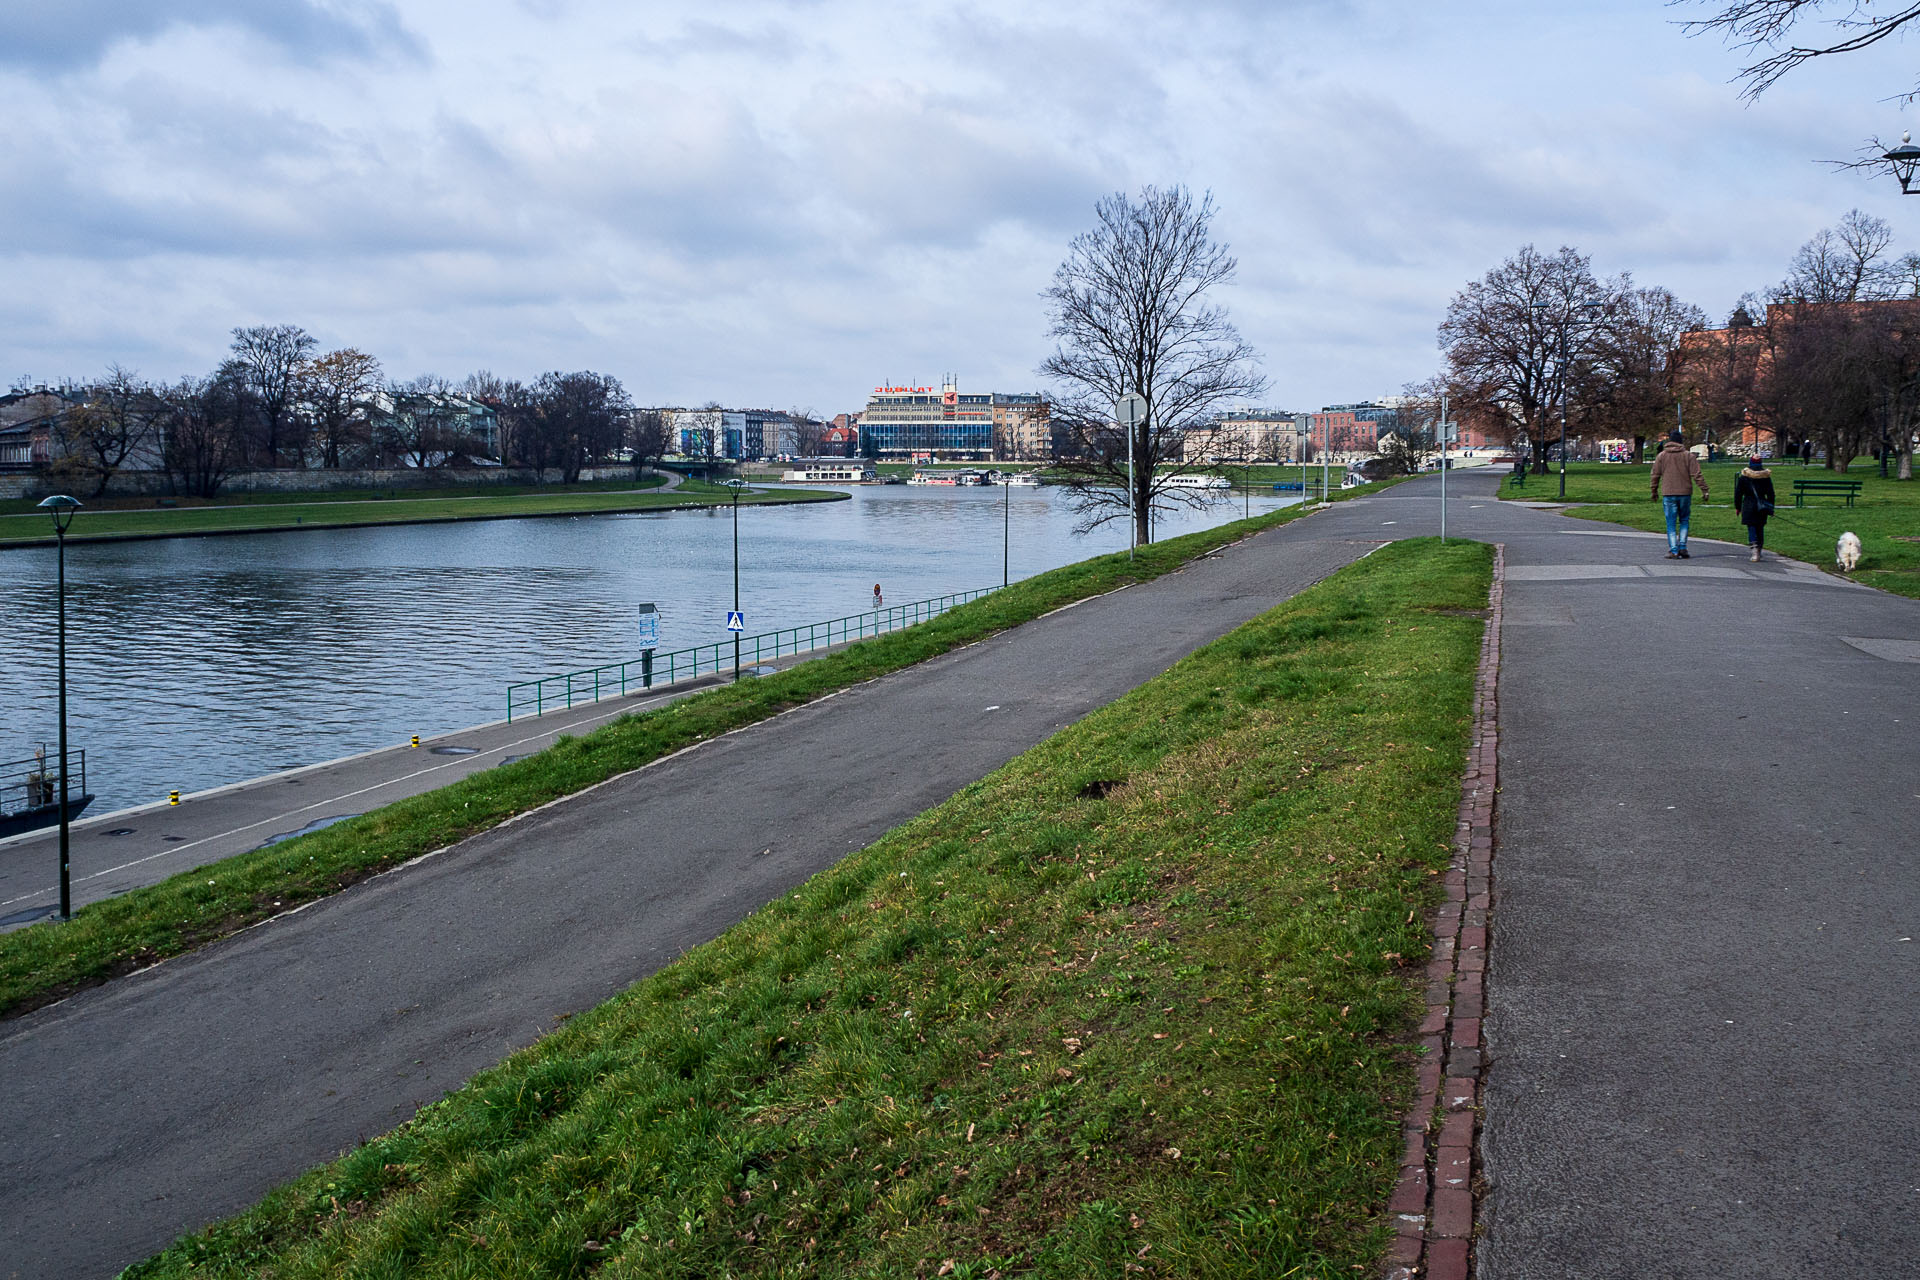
<point>173,797</point>
<point>415,742</point>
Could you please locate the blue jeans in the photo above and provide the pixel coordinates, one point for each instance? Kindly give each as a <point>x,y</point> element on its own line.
<point>1679,511</point>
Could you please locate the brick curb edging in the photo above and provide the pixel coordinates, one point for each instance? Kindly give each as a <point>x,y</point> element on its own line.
<point>1433,1203</point>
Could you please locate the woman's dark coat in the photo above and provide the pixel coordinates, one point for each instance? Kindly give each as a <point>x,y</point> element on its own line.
<point>1753,495</point>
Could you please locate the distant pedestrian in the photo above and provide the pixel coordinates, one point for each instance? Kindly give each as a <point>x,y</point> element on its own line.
<point>1675,472</point>
<point>1753,499</point>
<point>877,601</point>
<point>1806,452</point>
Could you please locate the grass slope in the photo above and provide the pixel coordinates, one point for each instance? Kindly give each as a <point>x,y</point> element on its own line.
<point>104,939</point>
<point>333,512</point>
<point>1138,1002</point>
<point>1886,514</point>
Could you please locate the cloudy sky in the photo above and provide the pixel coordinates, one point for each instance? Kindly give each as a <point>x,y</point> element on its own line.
<point>783,204</point>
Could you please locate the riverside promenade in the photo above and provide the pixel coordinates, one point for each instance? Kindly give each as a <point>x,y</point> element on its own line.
<point>1700,999</point>
<point>166,1099</point>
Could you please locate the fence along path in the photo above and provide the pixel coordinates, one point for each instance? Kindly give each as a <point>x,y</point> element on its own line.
<point>618,679</point>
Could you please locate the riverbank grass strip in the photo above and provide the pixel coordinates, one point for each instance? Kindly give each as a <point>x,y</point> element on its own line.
<point>108,525</point>
<point>1141,1002</point>
<point>105,939</point>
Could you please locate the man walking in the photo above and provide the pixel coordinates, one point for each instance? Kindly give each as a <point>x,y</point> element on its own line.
<point>1675,472</point>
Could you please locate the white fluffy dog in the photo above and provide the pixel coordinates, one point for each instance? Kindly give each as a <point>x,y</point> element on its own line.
<point>1847,554</point>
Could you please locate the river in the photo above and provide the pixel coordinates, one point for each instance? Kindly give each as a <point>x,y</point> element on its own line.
<point>193,662</point>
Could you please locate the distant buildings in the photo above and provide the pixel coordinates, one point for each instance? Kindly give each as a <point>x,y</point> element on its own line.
<point>1245,435</point>
<point>28,425</point>
<point>914,423</point>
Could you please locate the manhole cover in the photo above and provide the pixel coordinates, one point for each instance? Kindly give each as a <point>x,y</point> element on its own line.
<point>28,916</point>
<point>121,831</point>
<point>455,751</point>
<point>318,824</point>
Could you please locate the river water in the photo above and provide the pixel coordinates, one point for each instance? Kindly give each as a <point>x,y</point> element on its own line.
<point>193,662</point>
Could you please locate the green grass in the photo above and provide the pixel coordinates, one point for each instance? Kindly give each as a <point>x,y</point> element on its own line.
<point>1141,1001</point>
<point>104,939</point>
<point>234,498</point>
<point>1886,515</point>
<point>318,511</point>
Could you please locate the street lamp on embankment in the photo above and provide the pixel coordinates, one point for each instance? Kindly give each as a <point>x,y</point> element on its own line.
<point>736,484</point>
<point>61,508</point>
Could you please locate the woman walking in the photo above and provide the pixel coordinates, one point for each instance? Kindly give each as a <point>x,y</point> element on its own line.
<point>1753,499</point>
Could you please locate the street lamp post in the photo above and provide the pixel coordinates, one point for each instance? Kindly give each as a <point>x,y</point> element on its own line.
<point>61,508</point>
<point>1591,312</point>
<point>736,484</point>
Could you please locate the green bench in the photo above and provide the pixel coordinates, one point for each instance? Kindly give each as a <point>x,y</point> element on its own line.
<point>1850,489</point>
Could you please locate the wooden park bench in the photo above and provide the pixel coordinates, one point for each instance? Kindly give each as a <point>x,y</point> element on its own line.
<point>1850,489</point>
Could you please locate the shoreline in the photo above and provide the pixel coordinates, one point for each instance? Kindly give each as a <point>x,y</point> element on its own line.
<point>11,544</point>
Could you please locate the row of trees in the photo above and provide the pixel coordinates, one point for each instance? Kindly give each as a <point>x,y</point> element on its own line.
<point>1540,340</point>
<point>1832,353</point>
<point>276,401</point>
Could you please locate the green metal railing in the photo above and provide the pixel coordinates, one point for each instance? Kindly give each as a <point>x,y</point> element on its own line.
<point>618,679</point>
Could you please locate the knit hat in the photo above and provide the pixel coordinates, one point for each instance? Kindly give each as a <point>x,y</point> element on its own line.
<point>1674,435</point>
<point>1757,462</point>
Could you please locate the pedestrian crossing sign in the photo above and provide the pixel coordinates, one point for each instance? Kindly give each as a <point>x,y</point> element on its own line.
<point>736,620</point>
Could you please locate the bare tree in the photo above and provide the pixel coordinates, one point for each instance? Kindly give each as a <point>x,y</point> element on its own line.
<point>1507,340</point>
<point>1130,312</point>
<point>1841,264</point>
<point>1766,29</point>
<point>1629,389</point>
<point>201,425</point>
<point>416,424</point>
<point>340,388</point>
<point>267,363</point>
<point>809,433</point>
<point>117,419</point>
<point>647,437</point>
<point>1893,334</point>
<point>576,418</point>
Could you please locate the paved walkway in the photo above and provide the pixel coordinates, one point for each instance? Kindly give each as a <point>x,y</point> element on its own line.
<point>164,1100</point>
<point>1702,997</point>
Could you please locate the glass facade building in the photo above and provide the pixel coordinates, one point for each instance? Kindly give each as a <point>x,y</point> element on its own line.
<point>901,422</point>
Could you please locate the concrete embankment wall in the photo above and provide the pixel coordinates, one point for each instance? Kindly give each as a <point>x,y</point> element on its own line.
<point>136,484</point>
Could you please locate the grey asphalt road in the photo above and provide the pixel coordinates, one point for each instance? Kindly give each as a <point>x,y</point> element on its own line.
<point>167,1099</point>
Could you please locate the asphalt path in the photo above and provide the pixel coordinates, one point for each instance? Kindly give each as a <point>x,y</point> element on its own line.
<point>170,1098</point>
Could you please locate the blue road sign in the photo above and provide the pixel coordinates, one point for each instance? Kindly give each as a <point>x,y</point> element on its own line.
<point>736,620</point>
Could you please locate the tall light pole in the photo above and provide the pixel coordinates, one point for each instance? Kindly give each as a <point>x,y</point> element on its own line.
<point>736,484</point>
<point>1590,312</point>
<point>1130,410</point>
<point>61,508</point>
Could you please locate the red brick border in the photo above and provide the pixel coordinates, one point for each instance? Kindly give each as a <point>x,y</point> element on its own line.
<point>1433,1205</point>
